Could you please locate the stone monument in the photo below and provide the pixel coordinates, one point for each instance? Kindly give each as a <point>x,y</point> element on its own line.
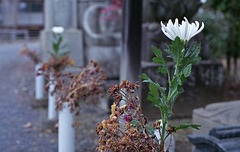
<point>62,13</point>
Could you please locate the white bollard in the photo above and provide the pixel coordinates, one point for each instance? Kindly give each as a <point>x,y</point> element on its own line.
<point>52,114</point>
<point>66,132</point>
<point>39,83</point>
<point>167,141</point>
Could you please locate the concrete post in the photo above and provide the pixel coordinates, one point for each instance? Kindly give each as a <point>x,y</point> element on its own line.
<point>52,114</point>
<point>131,40</point>
<point>39,83</point>
<point>48,14</point>
<point>66,132</point>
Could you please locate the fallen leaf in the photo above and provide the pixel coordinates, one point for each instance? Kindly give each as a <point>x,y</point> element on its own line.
<point>27,125</point>
<point>48,131</point>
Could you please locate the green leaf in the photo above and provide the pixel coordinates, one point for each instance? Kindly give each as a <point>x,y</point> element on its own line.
<point>55,47</point>
<point>173,85</point>
<point>155,95</point>
<point>196,51</point>
<point>63,53</point>
<point>150,130</point>
<point>52,54</point>
<point>59,40</point>
<point>186,126</point>
<point>134,123</point>
<point>159,57</point>
<point>187,70</point>
<point>64,46</point>
<point>191,49</point>
<point>176,49</point>
<point>163,69</point>
<point>144,76</point>
<point>154,89</point>
<point>195,60</point>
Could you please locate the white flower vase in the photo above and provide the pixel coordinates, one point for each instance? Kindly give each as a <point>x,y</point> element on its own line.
<point>52,114</point>
<point>66,133</point>
<point>39,83</point>
<point>167,141</point>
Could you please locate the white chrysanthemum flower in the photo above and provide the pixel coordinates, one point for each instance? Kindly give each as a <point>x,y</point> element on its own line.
<point>58,29</point>
<point>184,31</point>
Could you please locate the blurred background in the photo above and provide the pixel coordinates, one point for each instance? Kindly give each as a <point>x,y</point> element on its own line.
<point>93,31</point>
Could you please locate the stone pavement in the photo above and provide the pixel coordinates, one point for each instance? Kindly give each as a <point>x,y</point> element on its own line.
<point>16,90</point>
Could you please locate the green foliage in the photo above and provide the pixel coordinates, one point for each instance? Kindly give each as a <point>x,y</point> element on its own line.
<point>163,68</point>
<point>57,46</point>
<point>185,126</point>
<point>150,130</point>
<point>183,58</point>
<point>231,11</point>
<point>215,31</point>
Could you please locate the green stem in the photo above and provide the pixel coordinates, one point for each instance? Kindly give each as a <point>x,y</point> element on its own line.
<point>163,130</point>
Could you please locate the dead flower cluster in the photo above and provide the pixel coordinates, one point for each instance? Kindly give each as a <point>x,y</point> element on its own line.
<point>31,54</point>
<point>127,129</point>
<point>74,88</point>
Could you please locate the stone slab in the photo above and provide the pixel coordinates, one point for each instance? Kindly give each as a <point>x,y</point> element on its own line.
<point>217,114</point>
<point>74,40</point>
<point>108,58</point>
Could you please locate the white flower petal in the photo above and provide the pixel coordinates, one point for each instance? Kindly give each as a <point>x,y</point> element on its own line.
<point>177,28</point>
<point>173,29</point>
<point>167,34</point>
<point>190,30</point>
<point>58,29</point>
<point>184,31</point>
<point>198,30</point>
<point>167,30</point>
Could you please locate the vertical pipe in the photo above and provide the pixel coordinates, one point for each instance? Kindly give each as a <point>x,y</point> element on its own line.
<point>39,83</point>
<point>52,114</point>
<point>130,67</point>
<point>66,137</point>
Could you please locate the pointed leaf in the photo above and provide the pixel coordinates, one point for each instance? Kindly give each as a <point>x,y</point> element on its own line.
<point>186,126</point>
<point>159,57</point>
<point>163,69</point>
<point>187,70</point>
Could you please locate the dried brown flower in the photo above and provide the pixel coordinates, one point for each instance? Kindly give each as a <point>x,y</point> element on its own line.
<point>31,54</point>
<point>126,129</point>
<point>88,83</point>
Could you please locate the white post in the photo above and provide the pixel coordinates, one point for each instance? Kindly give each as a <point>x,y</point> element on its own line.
<point>167,141</point>
<point>52,114</point>
<point>39,83</point>
<point>66,137</point>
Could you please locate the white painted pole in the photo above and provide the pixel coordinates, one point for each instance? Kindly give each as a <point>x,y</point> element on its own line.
<point>66,132</point>
<point>39,83</point>
<point>52,114</point>
<point>167,141</point>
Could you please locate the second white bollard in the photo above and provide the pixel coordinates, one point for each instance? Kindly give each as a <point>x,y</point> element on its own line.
<point>52,114</point>
<point>66,132</point>
<point>39,83</point>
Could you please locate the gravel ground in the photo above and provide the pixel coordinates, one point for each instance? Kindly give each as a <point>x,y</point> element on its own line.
<point>16,92</point>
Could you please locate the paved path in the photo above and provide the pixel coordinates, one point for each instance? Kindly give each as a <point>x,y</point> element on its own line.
<point>16,94</point>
